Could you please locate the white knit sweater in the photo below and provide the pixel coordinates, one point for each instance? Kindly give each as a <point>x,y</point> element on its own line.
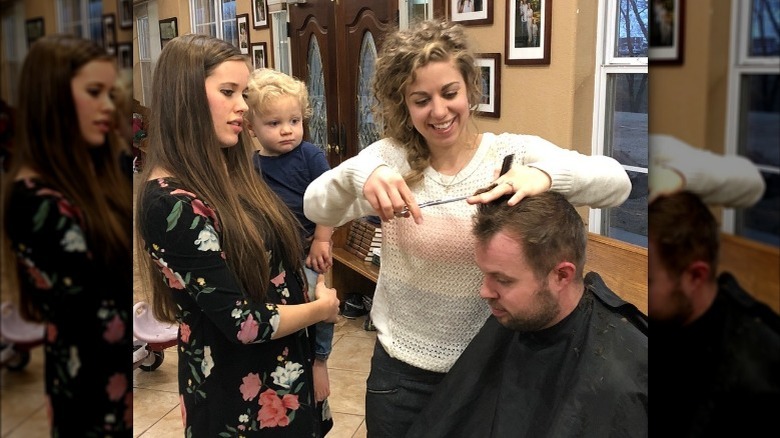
<point>426,305</point>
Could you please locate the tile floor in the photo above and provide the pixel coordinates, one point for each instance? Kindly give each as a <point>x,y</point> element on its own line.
<point>156,411</point>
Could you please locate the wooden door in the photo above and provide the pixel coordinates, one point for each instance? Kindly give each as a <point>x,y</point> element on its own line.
<point>333,46</point>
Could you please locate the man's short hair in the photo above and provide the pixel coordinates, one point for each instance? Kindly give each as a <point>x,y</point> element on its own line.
<point>683,231</point>
<point>547,225</point>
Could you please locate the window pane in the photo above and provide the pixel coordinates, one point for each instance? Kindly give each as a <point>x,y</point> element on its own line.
<point>626,141</point>
<point>315,83</point>
<point>764,33</point>
<point>632,36</point>
<point>762,221</point>
<point>759,140</point>
<point>367,130</point>
<point>95,8</point>
<point>229,32</point>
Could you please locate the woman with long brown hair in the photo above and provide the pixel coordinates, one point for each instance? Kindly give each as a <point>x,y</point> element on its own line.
<point>68,219</point>
<point>224,254</point>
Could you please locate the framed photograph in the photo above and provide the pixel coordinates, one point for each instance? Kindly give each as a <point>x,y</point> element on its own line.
<point>259,55</point>
<point>242,24</point>
<point>34,29</point>
<point>471,12</point>
<point>169,29</point>
<point>666,31</point>
<point>259,14</point>
<point>528,32</point>
<point>109,33</point>
<point>490,66</point>
<point>124,53</point>
<point>125,8</point>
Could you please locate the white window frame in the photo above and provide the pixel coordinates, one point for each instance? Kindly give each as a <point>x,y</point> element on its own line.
<point>740,63</point>
<point>84,19</point>
<point>217,10</point>
<point>403,11</point>
<point>280,22</point>
<point>606,64</point>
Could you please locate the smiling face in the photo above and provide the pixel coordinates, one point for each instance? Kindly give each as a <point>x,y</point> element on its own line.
<point>517,298</point>
<point>279,126</point>
<point>438,104</point>
<point>225,90</point>
<point>92,89</point>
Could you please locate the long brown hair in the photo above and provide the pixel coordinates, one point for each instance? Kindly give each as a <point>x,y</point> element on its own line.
<point>49,141</point>
<point>402,53</point>
<point>182,141</point>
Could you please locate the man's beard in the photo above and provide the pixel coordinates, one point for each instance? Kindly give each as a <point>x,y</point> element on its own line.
<point>545,309</point>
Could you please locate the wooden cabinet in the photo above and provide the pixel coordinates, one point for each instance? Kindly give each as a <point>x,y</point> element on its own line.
<point>350,274</point>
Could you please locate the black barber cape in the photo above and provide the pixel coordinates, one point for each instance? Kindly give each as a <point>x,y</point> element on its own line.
<point>585,377</point>
<point>720,375</point>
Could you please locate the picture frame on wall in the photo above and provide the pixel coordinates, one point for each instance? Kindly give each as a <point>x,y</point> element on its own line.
<point>259,55</point>
<point>242,30</point>
<point>124,53</point>
<point>490,67</point>
<point>666,31</point>
<point>471,12</point>
<point>34,29</point>
<point>125,11</point>
<point>259,14</point>
<point>169,29</point>
<point>109,33</point>
<point>528,32</point>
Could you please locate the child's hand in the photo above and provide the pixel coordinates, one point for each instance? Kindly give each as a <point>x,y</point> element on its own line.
<point>327,295</point>
<point>320,258</point>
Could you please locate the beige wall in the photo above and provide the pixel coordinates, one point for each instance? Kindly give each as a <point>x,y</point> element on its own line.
<point>553,101</point>
<point>46,10</point>
<point>689,100</point>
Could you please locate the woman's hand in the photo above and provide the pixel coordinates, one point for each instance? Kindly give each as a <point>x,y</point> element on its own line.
<point>521,181</point>
<point>388,194</point>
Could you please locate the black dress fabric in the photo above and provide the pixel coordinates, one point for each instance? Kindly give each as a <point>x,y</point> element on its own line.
<point>720,375</point>
<point>234,380</point>
<point>584,377</point>
<point>86,305</point>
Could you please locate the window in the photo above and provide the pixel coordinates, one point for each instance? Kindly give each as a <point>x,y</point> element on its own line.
<point>753,118</point>
<point>216,18</point>
<point>281,42</point>
<point>620,125</point>
<point>410,11</point>
<point>83,18</point>
<point>141,14</point>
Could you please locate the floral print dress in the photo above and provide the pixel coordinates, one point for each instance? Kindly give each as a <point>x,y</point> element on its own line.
<point>86,306</point>
<point>233,379</point>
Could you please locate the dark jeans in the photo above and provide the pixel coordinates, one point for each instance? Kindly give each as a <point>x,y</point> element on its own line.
<point>396,393</point>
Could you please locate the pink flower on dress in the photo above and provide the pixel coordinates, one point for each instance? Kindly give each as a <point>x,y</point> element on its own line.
<point>117,386</point>
<point>251,386</point>
<point>274,409</point>
<point>183,411</point>
<point>204,210</point>
<point>183,192</point>
<point>115,330</point>
<point>249,329</point>
<point>51,332</point>
<point>279,279</point>
<point>41,280</point>
<point>174,280</point>
<point>185,330</point>
<point>129,409</point>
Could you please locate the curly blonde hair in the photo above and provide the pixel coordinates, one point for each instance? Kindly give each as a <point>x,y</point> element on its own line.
<point>402,53</point>
<point>266,85</point>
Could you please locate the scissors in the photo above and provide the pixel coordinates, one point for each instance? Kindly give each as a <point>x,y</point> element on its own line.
<point>505,166</point>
